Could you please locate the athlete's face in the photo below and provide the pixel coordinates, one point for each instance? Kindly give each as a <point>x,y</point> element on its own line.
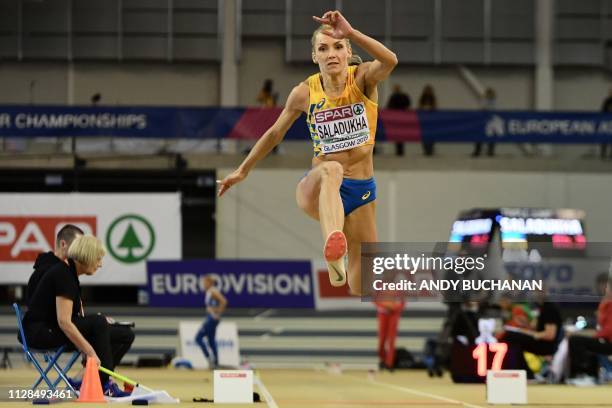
<point>331,54</point>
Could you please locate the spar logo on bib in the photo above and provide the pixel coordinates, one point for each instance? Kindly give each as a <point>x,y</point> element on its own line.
<point>358,109</point>
<point>342,128</point>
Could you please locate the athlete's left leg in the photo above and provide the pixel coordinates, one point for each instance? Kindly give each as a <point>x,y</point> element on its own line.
<point>394,318</point>
<point>211,336</point>
<point>383,329</point>
<point>359,226</point>
<point>200,336</point>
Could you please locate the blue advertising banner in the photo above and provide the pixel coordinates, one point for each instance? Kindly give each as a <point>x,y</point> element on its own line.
<point>515,127</point>
<point>141,122</point>
<point>251,123</point>
<point>278,284</point>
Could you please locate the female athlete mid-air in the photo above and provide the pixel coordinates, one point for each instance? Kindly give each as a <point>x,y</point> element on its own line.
<point>341,107</point>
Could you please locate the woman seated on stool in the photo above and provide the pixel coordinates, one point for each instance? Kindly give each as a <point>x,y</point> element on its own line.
<point>55,316</point>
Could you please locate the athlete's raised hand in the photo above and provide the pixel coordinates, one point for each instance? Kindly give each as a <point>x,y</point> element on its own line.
<point>340,26</point>
<point>234,178</point>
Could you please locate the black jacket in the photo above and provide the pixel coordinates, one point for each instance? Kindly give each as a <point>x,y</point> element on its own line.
<point>43,263</point>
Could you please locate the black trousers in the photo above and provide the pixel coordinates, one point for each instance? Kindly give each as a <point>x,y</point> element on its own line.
<point>583,353</point>
<point>94,328</point>
<point>121,338</point>
<point>478,148</point>
<point>531,345</point>
<point>428,148</point>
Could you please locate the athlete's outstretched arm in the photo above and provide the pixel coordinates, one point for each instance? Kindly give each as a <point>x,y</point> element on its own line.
<point>384,59</point>
<point>297,102</point>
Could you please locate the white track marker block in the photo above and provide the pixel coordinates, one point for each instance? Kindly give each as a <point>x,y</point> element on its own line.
<point>507,387</point>
<point>233,386</point>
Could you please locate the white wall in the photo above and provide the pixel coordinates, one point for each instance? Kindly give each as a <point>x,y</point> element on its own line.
<point>574,88</point>
<point>581,89</point>
<point>514,86</point>
<point>148,84</point>
<point>119,83</point>
<point>198,84</point>
<point>259,218</point>
<point>266,59</point>
<point>40,83</point>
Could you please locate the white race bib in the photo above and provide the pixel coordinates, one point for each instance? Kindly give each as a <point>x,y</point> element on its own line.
<point>342,128</point>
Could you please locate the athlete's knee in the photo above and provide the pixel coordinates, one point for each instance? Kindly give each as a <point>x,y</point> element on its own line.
<point>129,336</point>
<point>100,322</point>
<point>332,170</point>
<point>99,326</point>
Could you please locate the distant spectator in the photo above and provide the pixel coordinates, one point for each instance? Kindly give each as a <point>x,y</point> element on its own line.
<point>606,107</point>
<point>96,98</point>
<point>585,349</point>
<point>488,101</point>
<point>544,338</point>
<point>267,97</point>
<point>399,100</point>
<point>206,337</point>
<point>388,312</point>
<point>428,102</point>
<point>514,314</point>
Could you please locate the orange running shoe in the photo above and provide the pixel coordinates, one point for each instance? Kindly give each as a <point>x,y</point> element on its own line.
<point>334,251</point>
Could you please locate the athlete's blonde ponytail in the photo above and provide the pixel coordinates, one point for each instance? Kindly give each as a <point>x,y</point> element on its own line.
<point>355,59</point>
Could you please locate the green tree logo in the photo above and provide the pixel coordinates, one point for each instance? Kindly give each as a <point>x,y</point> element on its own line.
<point>125,238</point>
<point>358,109</point>
<point>130,241</point>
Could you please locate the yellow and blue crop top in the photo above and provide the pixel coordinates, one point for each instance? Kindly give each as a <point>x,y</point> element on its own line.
<point>342,123</point>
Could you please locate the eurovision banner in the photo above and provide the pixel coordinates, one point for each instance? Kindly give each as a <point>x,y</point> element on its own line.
<point>131,228</point>
<point>251,123</point>
<point>278,284</point>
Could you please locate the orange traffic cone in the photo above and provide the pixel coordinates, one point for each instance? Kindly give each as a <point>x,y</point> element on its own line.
<point>91,388</point>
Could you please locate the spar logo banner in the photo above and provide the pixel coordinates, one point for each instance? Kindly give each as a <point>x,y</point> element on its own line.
<point>22,238</point>
<point>131,228</point>
<point>244,283</point>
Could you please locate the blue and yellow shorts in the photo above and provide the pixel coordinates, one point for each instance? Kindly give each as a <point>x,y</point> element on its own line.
<point>355,193</point>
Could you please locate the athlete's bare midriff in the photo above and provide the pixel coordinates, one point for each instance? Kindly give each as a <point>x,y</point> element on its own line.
<point>357,163</point>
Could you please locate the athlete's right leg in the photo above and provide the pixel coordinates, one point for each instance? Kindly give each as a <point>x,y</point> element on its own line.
<point>318,195</point>
<point>383,322</point>
<point>199,339</point>
<point>211,337</point>
<point>393,322</point>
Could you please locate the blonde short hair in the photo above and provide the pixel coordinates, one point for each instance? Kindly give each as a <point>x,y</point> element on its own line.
<point>86,249</point>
